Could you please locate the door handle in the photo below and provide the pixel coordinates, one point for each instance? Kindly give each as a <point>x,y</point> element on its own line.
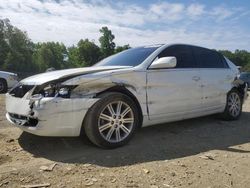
<point>196,78</point>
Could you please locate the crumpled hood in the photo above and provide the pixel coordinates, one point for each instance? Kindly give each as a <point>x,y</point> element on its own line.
<point>67,73</point>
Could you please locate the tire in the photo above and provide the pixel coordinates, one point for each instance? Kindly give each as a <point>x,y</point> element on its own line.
<point>3,86</point>
<point>233,107</point>
<point>105,126</point>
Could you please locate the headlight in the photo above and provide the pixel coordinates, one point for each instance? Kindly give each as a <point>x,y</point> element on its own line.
<point>57,90</point>
<point>64,92</point>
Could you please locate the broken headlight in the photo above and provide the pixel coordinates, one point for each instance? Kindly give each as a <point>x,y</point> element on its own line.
<point>55,90</point>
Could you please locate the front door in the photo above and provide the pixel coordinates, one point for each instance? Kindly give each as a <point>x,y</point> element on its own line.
<point>174,91</point>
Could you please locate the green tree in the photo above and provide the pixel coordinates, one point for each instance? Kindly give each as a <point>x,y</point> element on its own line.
<point>73,57</point>
<point>4,47</point>
<point>122,48</point>
<point>89,52</point>
<point>239,57</point>
<point>15,48</point>
<point>106,41</point>
<point>86,53</point>
<point>50,54</point>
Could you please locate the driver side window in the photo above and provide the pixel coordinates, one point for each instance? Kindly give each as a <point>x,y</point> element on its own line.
<point>183,54</point>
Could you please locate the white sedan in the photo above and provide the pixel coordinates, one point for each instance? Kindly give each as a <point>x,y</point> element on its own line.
<point>137,87</point>
<point>7,80</point>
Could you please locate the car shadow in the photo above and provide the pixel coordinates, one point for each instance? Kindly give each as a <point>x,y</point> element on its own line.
<point>155,143</point>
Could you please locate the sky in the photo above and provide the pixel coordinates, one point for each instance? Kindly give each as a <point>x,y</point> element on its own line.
<point>213,24</point>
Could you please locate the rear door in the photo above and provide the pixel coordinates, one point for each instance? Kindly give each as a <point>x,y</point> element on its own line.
<point>174,91</point>
<point>216,77</point>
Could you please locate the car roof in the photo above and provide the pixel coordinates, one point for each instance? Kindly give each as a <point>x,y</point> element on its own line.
<point>173,44</point>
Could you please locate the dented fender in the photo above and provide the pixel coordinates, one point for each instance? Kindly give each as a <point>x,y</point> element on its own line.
<point>91,85</point>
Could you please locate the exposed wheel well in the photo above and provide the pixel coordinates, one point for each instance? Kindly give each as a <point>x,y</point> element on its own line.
<point>124,90</point>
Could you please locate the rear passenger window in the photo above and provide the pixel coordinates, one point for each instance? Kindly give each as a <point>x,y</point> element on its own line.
<point>208,58</point>
<point>183,55</point>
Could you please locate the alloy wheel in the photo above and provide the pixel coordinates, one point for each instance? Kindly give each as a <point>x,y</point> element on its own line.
<point>116,121</point>
<point>234,104</point>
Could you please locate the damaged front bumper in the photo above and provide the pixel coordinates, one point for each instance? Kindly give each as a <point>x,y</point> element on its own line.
<point>48,116</point>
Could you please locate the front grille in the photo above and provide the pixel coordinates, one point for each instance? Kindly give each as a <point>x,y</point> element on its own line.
<point>23,120</point>
<point>20,90</point>
<point>16,116</point>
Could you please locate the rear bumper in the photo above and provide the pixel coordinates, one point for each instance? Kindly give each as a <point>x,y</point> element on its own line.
<point>48,116</point>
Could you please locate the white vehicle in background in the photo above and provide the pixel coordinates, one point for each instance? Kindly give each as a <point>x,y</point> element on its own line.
<point>137,87</point>
<point>7,80</point>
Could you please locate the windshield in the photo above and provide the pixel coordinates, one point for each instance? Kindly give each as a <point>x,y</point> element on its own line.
<point>131,57</point>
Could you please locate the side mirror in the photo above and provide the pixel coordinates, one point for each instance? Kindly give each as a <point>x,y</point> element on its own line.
<point>164,62</point>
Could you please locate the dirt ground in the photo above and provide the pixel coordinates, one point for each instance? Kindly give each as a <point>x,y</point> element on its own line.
<point>203,152</point>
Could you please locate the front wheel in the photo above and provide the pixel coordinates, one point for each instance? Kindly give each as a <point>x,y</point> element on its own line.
<point>111,121</point>
<point>234,106</point>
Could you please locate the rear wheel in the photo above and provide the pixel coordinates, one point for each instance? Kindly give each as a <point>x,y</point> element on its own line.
<point>234,106</point>
<point>112,121</point>
<point>3,86</point>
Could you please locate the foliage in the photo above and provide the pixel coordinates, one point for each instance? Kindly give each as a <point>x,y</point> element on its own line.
<point>106,41</point>
<point>50,54</point>
<point>121,48</point>
<point>239,57</point>
<point>19,54</point>
<point>88,53</point>
<point>15,48</point>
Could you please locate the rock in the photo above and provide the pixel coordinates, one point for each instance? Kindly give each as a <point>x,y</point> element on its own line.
<point>113,180</point>
<point>48,168</point>
<point>87,165</point>
<point>43,168</point>
<point>69,168</point>
<point>36,185</point>
<point>94,179</point>
<point>173,174</point>
<point>208,156</point>
<point>183,165</point>
<point>166,185</point>
<point>4,183</point>
<point>146,171</point>
<point>10,140</point>
<point>153,186</point>
<point>89,183</point>
<point>19,149</point>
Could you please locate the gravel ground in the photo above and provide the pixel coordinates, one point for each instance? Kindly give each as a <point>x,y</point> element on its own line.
<point>201,152</point>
